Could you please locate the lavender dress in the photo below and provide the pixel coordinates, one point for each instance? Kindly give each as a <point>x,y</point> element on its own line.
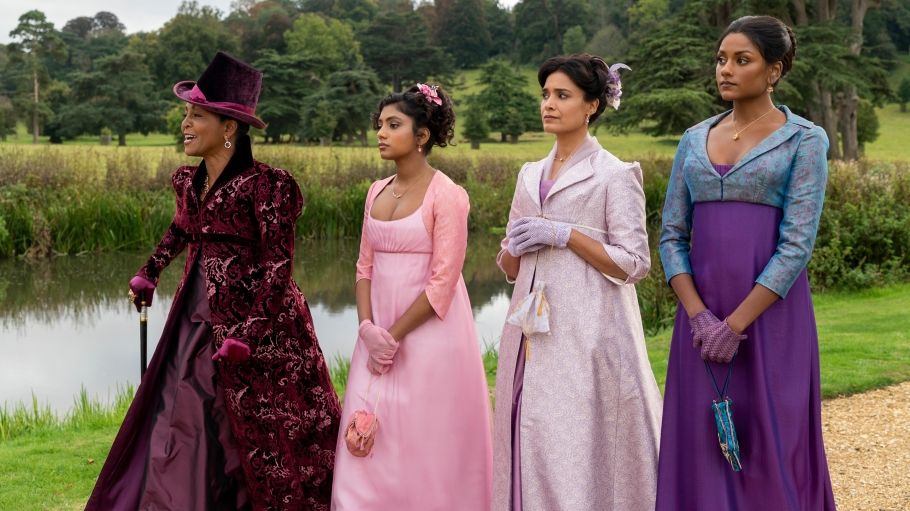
<point>775,386</point>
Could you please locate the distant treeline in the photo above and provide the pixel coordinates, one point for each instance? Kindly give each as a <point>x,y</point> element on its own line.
<point>326,62</point>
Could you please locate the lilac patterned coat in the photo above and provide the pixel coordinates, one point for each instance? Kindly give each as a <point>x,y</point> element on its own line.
<point>283,408</point>
<point>788,170</point>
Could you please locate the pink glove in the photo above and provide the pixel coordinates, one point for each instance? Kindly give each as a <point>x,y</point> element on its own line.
<point>138,284</point>
<point>380,344</point>
<point>232,350</point>
<point>530,233</point>
<point>720,343</point>
<point>700,323</point>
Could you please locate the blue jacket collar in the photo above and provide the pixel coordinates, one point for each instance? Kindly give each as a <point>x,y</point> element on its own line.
<point>793,126</point>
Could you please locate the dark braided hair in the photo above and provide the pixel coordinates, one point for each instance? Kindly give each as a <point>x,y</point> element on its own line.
<point>774,39</point>
<point>438,119</point>
<point>590,73</point>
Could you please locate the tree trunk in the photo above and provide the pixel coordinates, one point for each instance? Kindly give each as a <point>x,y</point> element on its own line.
<point>502,136</point>
<point>847,103</point>
<point>903,110</point>
<point>823,114</point>
<point>848,100</point>
<point>513,139</point>
<point>363,137</point>
<point>475,144</point>
<point>799,11</point>
<point>121,139</point>
<point>35,113</point>
<point>325,141</point>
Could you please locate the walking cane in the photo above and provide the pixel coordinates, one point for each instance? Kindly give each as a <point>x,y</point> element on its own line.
<point>143,333</point>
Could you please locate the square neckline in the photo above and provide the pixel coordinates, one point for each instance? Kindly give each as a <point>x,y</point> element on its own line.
<point>419,208</point>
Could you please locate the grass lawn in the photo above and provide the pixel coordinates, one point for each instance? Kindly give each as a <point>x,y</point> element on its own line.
<point>55,470</point>
<point>893,134</point>
<point>864,338</point>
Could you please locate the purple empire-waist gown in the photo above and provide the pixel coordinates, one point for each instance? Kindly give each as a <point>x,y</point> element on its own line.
<point>775,386</point>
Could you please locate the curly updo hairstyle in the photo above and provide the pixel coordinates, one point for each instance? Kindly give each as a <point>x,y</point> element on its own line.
<point>590,73</point>
<point>773,38</point>
<point>438,119</point>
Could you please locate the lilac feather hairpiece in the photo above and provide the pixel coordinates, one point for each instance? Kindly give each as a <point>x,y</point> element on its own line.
<point>614,86</point>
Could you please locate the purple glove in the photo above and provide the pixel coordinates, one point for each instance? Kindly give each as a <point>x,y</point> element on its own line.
<point>700,323</point>
<point>232,350</point>
<point>530,233</point>
<point>380,344</point>
<point>720,343</point>
<point>138,284</point>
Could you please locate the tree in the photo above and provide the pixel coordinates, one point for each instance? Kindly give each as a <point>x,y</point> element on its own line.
<point>466,35</point>
<point>118,94</point>
<point>397,45</point>
<point>866,124</point>
<point>540,25</point>
<point>7,118</point>
<point>903,93</point>
<point>351,96</point>
<point>261,26</point>
<point>37,40</point>
<point>476,128</point>
<point>287,80</point>
<point>501,26</point>
<point>330,39</point>
<point>322,122</point>
<point>574,40</point>
<point>184,46</point>
<point>355,11</point>
<point>609,44</point>
<point>671,85</point>
<point>87,39</point>
<point>509,108</point>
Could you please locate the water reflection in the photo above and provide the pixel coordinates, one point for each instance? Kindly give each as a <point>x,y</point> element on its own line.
<point>67,322</point>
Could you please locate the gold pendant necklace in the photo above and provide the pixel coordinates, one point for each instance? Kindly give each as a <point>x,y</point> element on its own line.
<point>736,133</point>
<point>395,186</point>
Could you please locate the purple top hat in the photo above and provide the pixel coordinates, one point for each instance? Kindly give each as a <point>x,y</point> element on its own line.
<point>228,86</point>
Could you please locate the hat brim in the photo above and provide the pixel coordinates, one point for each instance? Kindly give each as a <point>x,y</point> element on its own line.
<point>182,91</point>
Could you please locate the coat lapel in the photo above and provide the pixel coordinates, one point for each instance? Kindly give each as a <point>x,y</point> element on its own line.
<point>532,176</point>
<point>578,173</point>
<point>773,140</point>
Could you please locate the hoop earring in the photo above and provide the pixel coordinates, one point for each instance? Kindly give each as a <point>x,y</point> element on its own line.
<point>227,143</point>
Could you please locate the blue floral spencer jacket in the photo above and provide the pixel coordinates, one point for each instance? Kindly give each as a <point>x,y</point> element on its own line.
<point>787,170</point>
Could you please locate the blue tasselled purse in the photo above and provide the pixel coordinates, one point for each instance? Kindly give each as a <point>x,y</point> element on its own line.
<point>723,416</point>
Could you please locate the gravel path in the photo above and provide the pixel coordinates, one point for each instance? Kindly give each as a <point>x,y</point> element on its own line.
<point>867,440</point>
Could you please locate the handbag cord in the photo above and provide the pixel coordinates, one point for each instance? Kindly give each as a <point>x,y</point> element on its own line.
<point>714,382</point>
<point>376,406</point>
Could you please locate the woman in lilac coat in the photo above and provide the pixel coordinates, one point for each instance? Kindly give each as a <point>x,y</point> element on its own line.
<point>739,223</point>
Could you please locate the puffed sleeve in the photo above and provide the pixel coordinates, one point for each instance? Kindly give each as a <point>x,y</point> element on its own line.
<point>365,261</point>
<point>805,195</point>
<point>278,204</point>
<point>625,220</point>
<point>514,215</point>
<point>450,241</point>
<point>174,240</point>
<point>676,229</point>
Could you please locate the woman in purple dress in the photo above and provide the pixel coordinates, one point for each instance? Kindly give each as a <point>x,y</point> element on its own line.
<point>236,410</point>
<point>739,224</point>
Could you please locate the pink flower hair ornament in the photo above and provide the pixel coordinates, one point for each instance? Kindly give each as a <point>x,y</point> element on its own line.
<point>429,92</point>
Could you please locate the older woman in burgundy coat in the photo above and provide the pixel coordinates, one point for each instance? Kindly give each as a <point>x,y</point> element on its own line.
<point>236,410</point>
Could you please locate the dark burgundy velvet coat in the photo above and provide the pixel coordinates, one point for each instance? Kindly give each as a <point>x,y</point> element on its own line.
<point>284,410</point>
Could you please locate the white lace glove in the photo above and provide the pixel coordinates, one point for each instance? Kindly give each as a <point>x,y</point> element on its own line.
<point>531,233</point>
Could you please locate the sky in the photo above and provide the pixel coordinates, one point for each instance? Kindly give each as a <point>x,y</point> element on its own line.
<point>137,15</point>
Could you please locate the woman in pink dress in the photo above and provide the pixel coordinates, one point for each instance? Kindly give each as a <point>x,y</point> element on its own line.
<point>417,349</point>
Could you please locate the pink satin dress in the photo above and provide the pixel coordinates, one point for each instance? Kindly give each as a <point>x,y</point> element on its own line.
<point>433,447</point>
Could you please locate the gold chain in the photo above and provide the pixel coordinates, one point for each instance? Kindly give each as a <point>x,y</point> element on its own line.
<point>395,185</point>
<point>736,133</point>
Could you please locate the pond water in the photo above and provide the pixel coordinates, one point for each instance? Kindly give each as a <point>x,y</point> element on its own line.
<point>67,322</point>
